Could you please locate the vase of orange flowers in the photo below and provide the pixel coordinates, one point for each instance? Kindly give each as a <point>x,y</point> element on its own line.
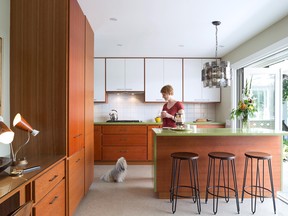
<point>246,106</point>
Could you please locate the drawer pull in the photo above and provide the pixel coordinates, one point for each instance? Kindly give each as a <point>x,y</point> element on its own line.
<point>54,199</point>
<point>78,135</point>
<point>123,151</point>
<point>53,178</point>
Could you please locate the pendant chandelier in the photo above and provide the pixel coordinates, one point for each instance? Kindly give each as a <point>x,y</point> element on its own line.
<point>217,73</point>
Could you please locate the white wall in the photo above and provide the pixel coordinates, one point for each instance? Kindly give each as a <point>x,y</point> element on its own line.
<point>267,42</point>
<point>134,108</point>
<point>5,35</point>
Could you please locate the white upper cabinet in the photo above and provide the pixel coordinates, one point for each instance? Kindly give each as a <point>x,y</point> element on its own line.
<point>193,87</point>
<point>134,74</point>
<point>160,72</point>
<point>124,74</point>
<point>99,80</point>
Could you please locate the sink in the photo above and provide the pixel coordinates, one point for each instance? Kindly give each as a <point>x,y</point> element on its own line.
<point>123,121</point>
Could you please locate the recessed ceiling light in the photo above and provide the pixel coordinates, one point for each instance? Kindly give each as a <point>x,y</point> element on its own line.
<point>113,19</point>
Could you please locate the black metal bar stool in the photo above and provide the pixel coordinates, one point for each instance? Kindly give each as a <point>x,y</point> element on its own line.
<point>192,159</point>
<point>259,189</point>
<point>225,184</point>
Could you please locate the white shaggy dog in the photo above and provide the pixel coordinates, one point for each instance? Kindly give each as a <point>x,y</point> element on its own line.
<point>118,173</point>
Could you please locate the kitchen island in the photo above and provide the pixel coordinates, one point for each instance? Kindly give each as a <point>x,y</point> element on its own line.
<point>205,140</point>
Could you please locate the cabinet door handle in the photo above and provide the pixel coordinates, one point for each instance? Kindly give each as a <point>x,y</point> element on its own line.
<point>123,151</point>
<point>52,179</point>
<point>78,135</point>
<point>54,199</point>
<point>77,160</point>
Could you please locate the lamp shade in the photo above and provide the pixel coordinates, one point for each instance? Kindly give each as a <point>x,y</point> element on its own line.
<point>6,134</point>
<point>22,124</point>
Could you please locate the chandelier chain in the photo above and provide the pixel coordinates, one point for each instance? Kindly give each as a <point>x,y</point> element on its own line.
<point>216,35</point>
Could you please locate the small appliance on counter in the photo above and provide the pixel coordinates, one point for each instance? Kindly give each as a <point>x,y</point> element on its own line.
<point>113,115</point>
<point>179,120</point>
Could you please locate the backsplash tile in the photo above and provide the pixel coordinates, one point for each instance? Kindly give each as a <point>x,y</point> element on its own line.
<point>133,107</point>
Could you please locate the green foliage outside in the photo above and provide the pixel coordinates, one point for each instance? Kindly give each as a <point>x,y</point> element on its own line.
<point>285,88</point>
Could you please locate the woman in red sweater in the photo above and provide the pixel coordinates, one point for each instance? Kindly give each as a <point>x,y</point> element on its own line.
<point>171,107</point>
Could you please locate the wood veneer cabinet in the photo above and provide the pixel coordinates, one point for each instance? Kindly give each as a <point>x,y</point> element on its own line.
<point>75,180</point>
<point>124,141</point>
<point>97,143</point>
<point>53,203</point>
<point>89,106</point>
<point>150,140</point>
<point>48,181</point>
<point>76,94</point>
<point>134,142</point>
<point>51,48</point>
<point>48,192</point>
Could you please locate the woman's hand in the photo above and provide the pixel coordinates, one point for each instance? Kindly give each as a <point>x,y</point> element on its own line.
<point>164,114</point>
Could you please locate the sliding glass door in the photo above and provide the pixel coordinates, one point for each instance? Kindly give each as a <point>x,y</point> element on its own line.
<point>264,88</point>
<point>270,87</point>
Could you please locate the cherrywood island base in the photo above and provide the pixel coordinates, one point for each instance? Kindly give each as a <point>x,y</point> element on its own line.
<point>207,140</point>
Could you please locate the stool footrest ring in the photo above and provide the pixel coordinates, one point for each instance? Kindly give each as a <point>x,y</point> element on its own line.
<point>260,188</point>
<point>182,196</point>
<point>227,188</point>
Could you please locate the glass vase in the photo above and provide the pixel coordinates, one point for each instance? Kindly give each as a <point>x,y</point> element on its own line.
<point>245,123</point>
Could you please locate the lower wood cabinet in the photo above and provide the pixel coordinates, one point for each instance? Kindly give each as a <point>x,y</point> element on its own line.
<point>75,180</point>
<point>48,181</point>
<point>53,203</point>
<point>48,191</point>
<point>131,153</point>
<point>124,141</point>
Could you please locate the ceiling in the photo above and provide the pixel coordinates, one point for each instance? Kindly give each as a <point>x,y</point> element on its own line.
<point>177,28</point>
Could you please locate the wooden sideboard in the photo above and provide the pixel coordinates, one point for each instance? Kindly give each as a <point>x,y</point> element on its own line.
<point>45,186</point>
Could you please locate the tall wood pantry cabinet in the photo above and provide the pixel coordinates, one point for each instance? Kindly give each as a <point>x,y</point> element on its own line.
<point>51,80</point>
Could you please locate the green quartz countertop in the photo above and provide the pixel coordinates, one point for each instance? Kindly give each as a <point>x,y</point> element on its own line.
<point>154,123</point>
<point>127,123</point>
<point>219,132</point>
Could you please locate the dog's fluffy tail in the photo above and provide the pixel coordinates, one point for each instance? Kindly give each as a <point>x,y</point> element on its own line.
<point>106,177</point>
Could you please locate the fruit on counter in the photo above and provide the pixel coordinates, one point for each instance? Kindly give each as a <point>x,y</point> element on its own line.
<point>158,119</point>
